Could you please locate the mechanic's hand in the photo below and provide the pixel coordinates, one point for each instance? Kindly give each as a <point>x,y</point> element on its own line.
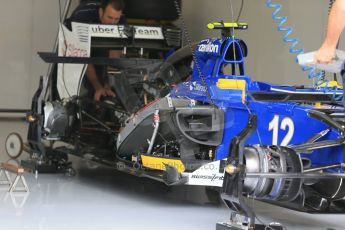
<point>106,86</point>
<point>103,92</point>
<point>324,55</point>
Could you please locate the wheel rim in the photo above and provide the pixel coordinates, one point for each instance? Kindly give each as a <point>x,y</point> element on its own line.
<point>14,145</point>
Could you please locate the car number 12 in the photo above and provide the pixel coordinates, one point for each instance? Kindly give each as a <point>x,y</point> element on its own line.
<point>286,123</point>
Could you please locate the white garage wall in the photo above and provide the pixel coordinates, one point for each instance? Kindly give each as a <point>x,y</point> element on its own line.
<point>28,26</point>
<point>269,59</point>
<point>15,52</point>
<point>45,28</point>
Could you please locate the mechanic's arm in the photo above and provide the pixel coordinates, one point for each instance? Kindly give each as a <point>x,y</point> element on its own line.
<point>113,54</point>
<point>336,24</point>
<point>99,89</point>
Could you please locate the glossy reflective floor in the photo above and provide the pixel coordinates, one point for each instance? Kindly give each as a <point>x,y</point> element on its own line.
<point>100,198</point>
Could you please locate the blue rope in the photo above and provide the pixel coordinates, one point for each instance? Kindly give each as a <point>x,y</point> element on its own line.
<point>313,72</point>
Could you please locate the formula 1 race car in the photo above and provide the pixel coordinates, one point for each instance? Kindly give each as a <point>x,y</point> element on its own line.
<point>198,119</point>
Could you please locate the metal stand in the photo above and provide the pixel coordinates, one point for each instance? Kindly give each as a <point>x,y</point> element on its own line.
<point>242,216</point>
<point>7,180</point>
<point>14,188</point>
<point>6,168</point>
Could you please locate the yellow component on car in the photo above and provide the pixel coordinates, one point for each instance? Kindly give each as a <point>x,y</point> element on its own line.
<point>331,84</point>
<point>233,84</point>
<point>219,25</point>
<point>318,105</point>
<point>159,163</point>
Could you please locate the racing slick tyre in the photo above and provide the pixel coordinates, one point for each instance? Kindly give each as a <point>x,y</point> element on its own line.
<point>182,61</point>
<point>333,189</point>
<point>14,145</point>
<point>340,205</point>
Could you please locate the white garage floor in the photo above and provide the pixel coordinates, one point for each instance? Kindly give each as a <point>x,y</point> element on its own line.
<point>101,198</point>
